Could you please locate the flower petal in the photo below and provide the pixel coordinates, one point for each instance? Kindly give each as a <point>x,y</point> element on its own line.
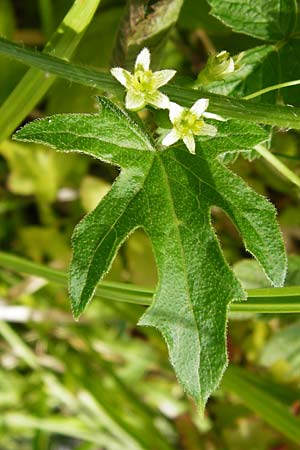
<point>122,75</point>
<point>171,138</point>
<point>158,99</point>
<point>143,60</point>
<point>230,67</point>
<point>175,111</point>
<point>213,116</point>
<point>208,130</point>
<point>190,143</point>
<point>134,100</point>
<point>200,106</point>
<point>162,77</point>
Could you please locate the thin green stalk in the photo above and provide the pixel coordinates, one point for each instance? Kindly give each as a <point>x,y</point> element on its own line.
<point>262,402</point>
<point>18,346</point>
<point>283,116</point>
<point>279,166</point>
<point>35,83</point>
<point>267,300</point>
<point>47,16</point>
<point>271,88</point>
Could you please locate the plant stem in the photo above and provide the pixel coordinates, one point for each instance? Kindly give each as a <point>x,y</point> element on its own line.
<point>279,166</point>
<point>271,88</point>
<point>35,83</point>
<point>282,116</point>
<point>18,346</point>
<point>268,300</point>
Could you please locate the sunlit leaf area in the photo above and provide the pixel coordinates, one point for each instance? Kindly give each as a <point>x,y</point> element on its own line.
<point>150,225</point>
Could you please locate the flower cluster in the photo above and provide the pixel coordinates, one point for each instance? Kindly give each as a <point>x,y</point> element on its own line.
<point>143,89</point>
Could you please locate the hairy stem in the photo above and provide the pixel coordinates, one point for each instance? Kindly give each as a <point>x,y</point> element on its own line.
<point>282,116</point>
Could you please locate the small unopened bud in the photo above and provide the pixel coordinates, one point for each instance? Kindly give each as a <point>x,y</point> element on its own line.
<point>218,66</point>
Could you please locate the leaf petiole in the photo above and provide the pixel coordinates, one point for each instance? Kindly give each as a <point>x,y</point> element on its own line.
<point>271,88</point>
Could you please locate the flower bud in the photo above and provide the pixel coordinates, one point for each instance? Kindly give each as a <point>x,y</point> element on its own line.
<point>218,66</point>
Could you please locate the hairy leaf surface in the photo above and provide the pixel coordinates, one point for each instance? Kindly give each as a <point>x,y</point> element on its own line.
<point>169,193</point>
<point>270,20</point>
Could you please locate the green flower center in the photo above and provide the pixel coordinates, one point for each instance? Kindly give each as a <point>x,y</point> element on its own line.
<point>188,123</point>
<point>143,81</point>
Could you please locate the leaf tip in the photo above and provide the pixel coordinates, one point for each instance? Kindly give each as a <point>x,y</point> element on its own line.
<point>76,313</point>
<point>17,135</point>
<point>76,306</point>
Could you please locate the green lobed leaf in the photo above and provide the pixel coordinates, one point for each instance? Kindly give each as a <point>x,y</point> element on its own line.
<point>169,193</point>
<point>270,20</point>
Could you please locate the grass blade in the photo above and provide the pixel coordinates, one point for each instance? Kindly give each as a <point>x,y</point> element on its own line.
<point>267,300</point>
<point>35,83</point>
<point>262,402</point>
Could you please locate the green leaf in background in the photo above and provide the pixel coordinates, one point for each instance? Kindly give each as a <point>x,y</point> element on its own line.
<point>169,193</point>
<point>267,65</point>
<point>145,24</point>
<point>252,276</point>
<point>34,170</point>
<point>195,14</point>
<point>269,20</point>
<point>288,56</point>
<point>282,352</point>
<point>260,67</point>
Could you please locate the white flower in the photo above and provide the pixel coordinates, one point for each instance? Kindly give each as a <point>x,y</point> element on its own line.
<point>188,123</point>
<point>142,86</point>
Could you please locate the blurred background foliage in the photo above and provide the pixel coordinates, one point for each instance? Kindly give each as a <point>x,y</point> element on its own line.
<point>103,383</point>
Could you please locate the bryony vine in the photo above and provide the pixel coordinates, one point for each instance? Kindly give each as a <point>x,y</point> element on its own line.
<point>169,192</point>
